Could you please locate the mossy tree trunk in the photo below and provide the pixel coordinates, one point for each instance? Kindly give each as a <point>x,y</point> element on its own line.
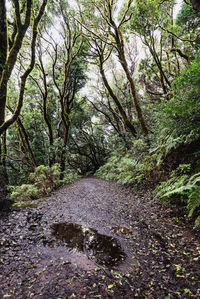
<point>8,57</point>
<point>43,88</point>
<point>116,33</point>
<point>65,83</point>
<point>128,124</point>
<point>195,4</point>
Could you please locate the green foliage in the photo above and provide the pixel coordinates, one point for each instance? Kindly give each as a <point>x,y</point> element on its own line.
<point>44,180</point>
<point>181,115</point>
<point>69,176</point>
<point>23,205</point>
<point>130,167</point>
<point>148,15</point>
<point>177,121</point>
<point>118,168</point>
<point>185,188</point>
<point>188,19</point>
<point>25,192</point>
<point>168,188</point>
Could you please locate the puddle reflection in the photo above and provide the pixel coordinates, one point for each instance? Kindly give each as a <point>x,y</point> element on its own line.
<point>105,250</point>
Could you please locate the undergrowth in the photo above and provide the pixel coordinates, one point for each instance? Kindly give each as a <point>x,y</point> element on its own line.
<point>130,167</point>
<point>184,188</point>
<point>42,182</point>
<point>134,166</point>
<point>174,142</point>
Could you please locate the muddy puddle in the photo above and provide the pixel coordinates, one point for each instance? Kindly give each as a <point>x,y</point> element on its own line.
<point>104,250</point>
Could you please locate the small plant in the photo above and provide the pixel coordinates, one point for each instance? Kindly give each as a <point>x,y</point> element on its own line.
<point>185,188</point>
<point>69,177</point>
<point>25,192</point>
<point>23,205</point>
<point>129,168</point>
<point>168,188</point>
<point>44,180</point>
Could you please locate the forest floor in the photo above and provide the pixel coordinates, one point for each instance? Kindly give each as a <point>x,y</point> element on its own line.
<point>96,239</point>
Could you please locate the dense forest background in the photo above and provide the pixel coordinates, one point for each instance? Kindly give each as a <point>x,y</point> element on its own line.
<point>105,87</point>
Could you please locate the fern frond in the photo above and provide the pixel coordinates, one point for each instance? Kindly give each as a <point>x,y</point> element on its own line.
<point>193,201</point>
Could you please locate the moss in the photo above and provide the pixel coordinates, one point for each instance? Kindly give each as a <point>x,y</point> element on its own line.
<point>24,205</point>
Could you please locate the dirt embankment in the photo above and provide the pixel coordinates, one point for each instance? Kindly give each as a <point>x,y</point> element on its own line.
<point>95,239</point>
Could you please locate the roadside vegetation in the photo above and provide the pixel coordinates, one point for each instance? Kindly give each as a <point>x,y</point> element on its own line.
<point>111,89</point>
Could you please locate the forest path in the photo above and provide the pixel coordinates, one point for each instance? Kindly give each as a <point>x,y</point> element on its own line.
<point>58,250</point>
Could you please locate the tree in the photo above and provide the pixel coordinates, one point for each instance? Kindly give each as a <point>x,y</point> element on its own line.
<point>87,147</point>
<point>102,60</point>
<point>59,76</point>
<point>11,51</point>
<point>195,4</point>
<point>12,37</point>
<point>110,32</point>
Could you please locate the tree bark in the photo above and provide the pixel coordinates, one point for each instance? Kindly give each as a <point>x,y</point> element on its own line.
<point>195,4</point>
<point>127,122</point>
<point>3,58</point>
<point>183,55</point>
<point>4,203</point>
<point>122,58</point>
<point>27,144</point>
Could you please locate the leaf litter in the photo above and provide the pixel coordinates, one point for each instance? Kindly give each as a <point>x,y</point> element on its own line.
<point>158,256</point>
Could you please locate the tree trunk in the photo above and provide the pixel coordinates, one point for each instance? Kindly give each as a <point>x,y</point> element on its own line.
<point>3,58</point>
<point>3,97</point>
<point>136,98</point>
<point>3,94</point>
<point>65,140</point>
<point>126,121</point>
<point>47,120</point>
<point>4,153</point>
<point>27,146</point>
<point>122,59</point>
<point>4,203</point>
<point>195,4</point>
<point>49,127</point>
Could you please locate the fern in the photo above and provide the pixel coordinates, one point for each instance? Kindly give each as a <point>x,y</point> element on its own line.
<point>183,190</point>
<point>172,186</point>
<point>197,223</point>
<point>185,187</point>
<point>194,200</point>
<point>25,192</point>
<point>130,167</point>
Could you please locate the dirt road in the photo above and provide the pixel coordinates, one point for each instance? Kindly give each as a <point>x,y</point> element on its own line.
<point>95,239</point>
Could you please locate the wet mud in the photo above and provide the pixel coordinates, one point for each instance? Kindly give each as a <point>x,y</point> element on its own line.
<point>95,239</point>
<point>105,250</point>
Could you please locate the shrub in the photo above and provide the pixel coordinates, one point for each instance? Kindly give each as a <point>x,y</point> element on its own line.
<point>44,180</point>
<point>128,167</point>
<point>69,176</point>
<point>185,188</point>
<point>179,118</point>
<point>25,192</point>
